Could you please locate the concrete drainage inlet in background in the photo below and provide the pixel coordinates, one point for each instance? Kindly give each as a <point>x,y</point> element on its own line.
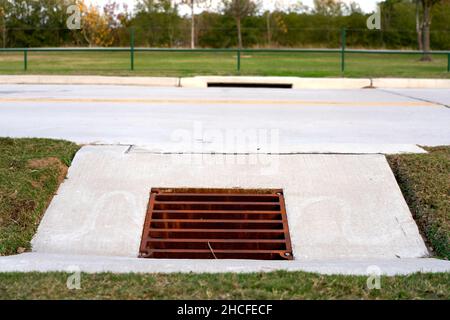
<point>216,224</point>
<point>249,85</point>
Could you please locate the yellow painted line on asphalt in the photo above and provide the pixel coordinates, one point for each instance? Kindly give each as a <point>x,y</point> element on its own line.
<point>220,101</point>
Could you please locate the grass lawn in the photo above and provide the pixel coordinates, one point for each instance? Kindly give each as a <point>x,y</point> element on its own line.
<point>30,173</point>
<point>276,285</point>
<point>31,169</point>
<point>425,183</point>
<point>190,64</point>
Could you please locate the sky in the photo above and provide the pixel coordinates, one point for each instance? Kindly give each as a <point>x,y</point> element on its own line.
<point>366,5</point>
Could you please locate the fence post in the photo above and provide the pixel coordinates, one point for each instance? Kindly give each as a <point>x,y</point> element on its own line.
<point>448,62</point>
<point>238,56</point>
<point>343,44</point>
<point>25,60</point>
<point>132,49</point>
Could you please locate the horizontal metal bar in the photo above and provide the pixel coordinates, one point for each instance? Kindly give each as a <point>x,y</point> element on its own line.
<point>222,50</point>
<point>393,51</point>
<point>217,203</point>
<point>219,230</point>
<point>217,198</point>
<point>270,195</point>
<point>125,49</point>
<point>217,220</point>
<point>214,250</point>
<point>184,240</point>
<point>218,211</point>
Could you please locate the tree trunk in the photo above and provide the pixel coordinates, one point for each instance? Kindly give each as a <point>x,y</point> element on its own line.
<point>4,36</point>
<point>269,31</point>
<point>238,23</point>
<point>86,38</point>
<point>426,31</point>
<point>4,29</point>
<point>192,25</point>
<point>419,27</point>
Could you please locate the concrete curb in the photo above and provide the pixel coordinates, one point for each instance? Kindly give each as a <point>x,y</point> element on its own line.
<point>38,262</point>
<point>411,83</point>
<point>91,80</point>
<point>291,149</point>
<point>297,83</point>
<point>202,81</point>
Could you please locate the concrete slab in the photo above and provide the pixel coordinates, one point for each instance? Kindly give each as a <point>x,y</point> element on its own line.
<point>41,262</point>
<point>338,206</point>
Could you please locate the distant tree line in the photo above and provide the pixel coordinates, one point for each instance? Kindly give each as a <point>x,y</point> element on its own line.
<point>415,24</point>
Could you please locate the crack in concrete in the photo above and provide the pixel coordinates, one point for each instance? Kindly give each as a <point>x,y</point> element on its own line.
<point>414,98</point>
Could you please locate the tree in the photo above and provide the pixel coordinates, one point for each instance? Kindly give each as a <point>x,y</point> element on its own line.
<point>274,20</point>
<point>156,23</point>
<point>239,9</point>
<point>192,4</point>
<point>423,26</point>
<point>328,7</point>
<point>30,23</point>
<point>95,26</point>
<point>3,17</point>
<point>419,26</point>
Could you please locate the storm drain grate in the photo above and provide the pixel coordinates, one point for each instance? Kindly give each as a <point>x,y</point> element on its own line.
<point>216,224</point>
<point>249,85</point>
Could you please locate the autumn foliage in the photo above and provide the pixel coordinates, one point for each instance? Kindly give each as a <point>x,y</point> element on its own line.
<point>95,26</point>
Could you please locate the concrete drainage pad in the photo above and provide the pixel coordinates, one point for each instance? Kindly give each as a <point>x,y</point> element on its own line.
<point>338,206</point>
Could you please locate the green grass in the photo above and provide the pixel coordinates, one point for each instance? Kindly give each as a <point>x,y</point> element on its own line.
<point>30,173</point>
<point>276,285</point>
<point>31,170</point>
<point>191,64</point>
<point>425,183</point>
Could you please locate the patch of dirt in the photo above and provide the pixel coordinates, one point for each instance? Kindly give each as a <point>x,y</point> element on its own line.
<point>20,208</point>
<point>21,250</point>
<point>36,184</point>
<point>49,162</point>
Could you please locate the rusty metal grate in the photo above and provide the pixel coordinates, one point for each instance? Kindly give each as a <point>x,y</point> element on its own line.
<point>216,224</point>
